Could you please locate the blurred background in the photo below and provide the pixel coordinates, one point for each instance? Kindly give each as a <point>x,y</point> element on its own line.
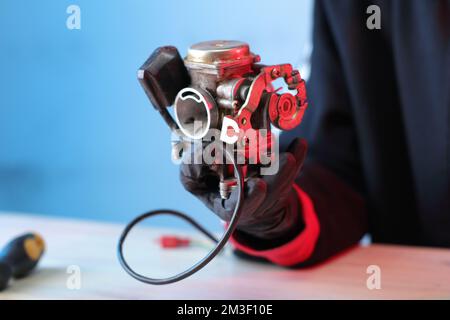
<point>78,136</point>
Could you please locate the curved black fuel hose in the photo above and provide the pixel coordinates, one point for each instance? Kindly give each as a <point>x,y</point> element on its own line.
<point>214,252</point>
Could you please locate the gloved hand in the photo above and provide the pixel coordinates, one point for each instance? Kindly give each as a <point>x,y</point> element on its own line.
<point>271,209</point>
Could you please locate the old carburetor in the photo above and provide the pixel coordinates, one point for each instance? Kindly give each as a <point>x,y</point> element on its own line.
<point>221,82</point>
<point>219,85</point>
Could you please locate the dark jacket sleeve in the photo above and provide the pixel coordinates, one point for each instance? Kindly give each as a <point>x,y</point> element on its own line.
<point>332,175</point>
<point>330,187</point>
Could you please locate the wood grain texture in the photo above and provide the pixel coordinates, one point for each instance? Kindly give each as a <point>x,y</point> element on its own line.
<point>406,272</point>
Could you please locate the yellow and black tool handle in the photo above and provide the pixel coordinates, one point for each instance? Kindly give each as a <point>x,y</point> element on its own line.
<point>19,257</point>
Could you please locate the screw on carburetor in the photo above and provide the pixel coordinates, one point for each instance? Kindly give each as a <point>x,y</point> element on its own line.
<point>275,73</point>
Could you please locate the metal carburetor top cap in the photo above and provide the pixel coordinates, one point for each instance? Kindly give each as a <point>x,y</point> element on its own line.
<point>219,54</point>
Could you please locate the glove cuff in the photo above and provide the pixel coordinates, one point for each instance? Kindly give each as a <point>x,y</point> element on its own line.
<point>293,252</point>
<point>289,225</point>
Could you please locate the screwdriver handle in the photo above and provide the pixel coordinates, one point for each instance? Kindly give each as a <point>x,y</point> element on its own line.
<point>19,257</point>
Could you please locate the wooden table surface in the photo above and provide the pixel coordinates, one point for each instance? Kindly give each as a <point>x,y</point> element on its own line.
<point>406,272</point>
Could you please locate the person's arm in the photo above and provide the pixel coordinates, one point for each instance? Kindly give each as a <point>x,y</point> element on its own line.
<point>330,188</point>
<point>292,218</point>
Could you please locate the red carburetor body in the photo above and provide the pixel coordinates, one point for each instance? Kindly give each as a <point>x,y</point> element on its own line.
<point>222,82</point>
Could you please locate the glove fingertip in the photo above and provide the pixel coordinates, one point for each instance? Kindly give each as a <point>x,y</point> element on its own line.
<point>256,185</point>
<point>287,160</point>
<point>298,148</point>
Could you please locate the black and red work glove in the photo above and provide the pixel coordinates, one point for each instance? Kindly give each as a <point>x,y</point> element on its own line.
<point>271,209</point>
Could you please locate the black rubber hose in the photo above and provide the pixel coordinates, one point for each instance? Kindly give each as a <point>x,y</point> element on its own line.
<point>214,252</point>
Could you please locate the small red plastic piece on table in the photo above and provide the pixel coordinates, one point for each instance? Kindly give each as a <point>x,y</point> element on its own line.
<point>168,242</point>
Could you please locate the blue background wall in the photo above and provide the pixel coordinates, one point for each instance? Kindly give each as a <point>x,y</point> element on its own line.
<point>78,136</point>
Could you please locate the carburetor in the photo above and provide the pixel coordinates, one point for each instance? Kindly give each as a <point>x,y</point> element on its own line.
<point>221,85</point>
